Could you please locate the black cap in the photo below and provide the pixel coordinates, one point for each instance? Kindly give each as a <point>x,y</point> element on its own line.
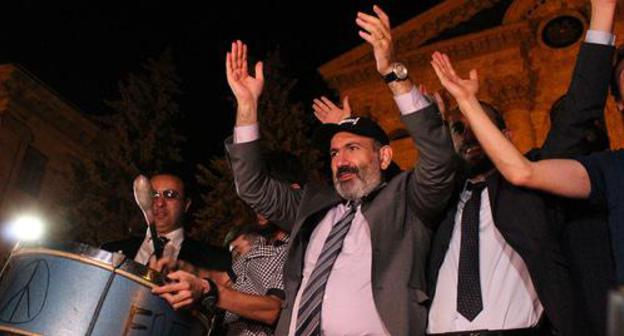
<point>357,125</point>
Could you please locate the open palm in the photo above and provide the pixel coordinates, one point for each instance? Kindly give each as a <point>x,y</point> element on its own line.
<point>246,88</point>
<point>458,87</point>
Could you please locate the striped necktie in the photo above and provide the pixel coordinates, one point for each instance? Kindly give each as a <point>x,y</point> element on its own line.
<point>309,314</point>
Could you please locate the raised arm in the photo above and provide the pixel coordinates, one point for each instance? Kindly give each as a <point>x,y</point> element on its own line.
<point>585,99</point>
<point>432,182</point>
<point>563,177</point>
<point>376,31</point>
<point>276,200</point>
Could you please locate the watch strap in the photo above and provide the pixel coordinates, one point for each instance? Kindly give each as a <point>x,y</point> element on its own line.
<point>391,77</point>
<point>208,300</point>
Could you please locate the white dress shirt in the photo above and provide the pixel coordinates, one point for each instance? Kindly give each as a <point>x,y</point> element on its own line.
<point>172,248</point>
<point>509,298</point>
<point>348,304</point>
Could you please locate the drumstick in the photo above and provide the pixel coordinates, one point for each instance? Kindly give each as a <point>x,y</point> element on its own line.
<point>143,195</point>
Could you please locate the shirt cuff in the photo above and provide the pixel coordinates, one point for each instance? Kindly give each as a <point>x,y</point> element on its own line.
<point>600,37</point>
<point>247,133</point>
<point>411,102</point>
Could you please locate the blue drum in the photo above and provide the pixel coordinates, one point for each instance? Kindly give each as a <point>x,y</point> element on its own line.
<point>74,289</point>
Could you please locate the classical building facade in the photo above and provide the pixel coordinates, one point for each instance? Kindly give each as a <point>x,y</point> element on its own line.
<point>41,134</point>
<point>524,50</point>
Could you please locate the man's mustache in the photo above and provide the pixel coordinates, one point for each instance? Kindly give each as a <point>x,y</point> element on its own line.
<point>467,145</point>
<point>346,170</point>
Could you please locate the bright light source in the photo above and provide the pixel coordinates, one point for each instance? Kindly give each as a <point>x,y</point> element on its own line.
<point>26,228</point>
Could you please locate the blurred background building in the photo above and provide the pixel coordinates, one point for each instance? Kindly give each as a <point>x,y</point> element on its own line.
<point>524,50</point>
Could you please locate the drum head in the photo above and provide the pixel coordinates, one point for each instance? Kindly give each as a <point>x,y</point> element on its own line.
<point>75,289</point>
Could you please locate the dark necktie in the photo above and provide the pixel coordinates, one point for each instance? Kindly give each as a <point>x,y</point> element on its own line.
<point>469,301</point>
<point>159,246</point>
<point>309,314</point>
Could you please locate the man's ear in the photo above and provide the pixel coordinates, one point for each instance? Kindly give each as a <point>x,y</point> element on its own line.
<point>385,156</point>
<point>187,205</point>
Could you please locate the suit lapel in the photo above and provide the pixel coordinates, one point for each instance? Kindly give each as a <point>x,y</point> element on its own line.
<point>493,183</point>
<point>324,199</point>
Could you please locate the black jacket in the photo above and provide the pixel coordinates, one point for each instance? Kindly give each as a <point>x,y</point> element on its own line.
<point>198,254</point>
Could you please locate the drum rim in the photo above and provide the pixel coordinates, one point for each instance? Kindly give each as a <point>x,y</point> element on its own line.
<point>114,262</point>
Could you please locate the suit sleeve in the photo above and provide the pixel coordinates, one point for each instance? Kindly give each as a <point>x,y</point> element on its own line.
<point>275,200</point>
<point>583,104</point>
<point>431,184</point>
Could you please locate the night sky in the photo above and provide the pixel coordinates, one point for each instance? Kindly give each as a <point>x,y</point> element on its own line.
<point>81,49</point>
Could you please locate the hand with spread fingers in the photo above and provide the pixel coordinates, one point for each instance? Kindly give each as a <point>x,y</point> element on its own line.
<point>246,88</point>
<point>376,31</point>
<point>461,89</point>
<point>328,113</point>
<point>184,291</point>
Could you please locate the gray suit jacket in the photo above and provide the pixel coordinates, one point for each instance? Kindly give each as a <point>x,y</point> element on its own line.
<point>402,216</point>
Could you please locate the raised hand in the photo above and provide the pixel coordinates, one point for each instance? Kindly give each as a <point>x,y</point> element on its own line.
<point>328,113</point>
<point>246,88</point>
<point>459,88</point>
<point>376,31</point>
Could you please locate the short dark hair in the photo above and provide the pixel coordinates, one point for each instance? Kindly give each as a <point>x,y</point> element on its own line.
<point>498,117</point>
<point>182,171</point>
<point>499,121</point>
<point>618,67</point>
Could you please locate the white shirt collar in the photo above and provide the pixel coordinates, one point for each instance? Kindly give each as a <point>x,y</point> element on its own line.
<point>175,237</point>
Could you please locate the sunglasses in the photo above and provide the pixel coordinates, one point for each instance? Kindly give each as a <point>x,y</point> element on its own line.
<point>168,194</point>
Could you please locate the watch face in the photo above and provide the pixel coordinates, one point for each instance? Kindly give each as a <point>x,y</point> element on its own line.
<point>399,70</point>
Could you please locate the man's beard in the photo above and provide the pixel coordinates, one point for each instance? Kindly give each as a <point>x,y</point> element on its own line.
<point>476,168</point>
<point>366,179</point>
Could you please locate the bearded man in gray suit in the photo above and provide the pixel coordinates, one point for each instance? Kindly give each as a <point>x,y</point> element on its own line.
<point>356,261</point>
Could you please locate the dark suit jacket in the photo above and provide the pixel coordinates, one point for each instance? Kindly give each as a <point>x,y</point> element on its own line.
<point>531,222</point>
<point>401,216</point>
<point>198,254</point>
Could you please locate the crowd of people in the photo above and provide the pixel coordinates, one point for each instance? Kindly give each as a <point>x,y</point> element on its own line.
<point>476,239</point>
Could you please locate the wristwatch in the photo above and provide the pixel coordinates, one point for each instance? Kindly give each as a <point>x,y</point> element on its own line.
<point>209,299</point>
<point>398,73</point>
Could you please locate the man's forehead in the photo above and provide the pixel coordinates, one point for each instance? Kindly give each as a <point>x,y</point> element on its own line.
<point>169,181</point>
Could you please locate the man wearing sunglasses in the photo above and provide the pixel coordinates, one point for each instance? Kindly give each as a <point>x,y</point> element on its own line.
<point>170,206</point>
